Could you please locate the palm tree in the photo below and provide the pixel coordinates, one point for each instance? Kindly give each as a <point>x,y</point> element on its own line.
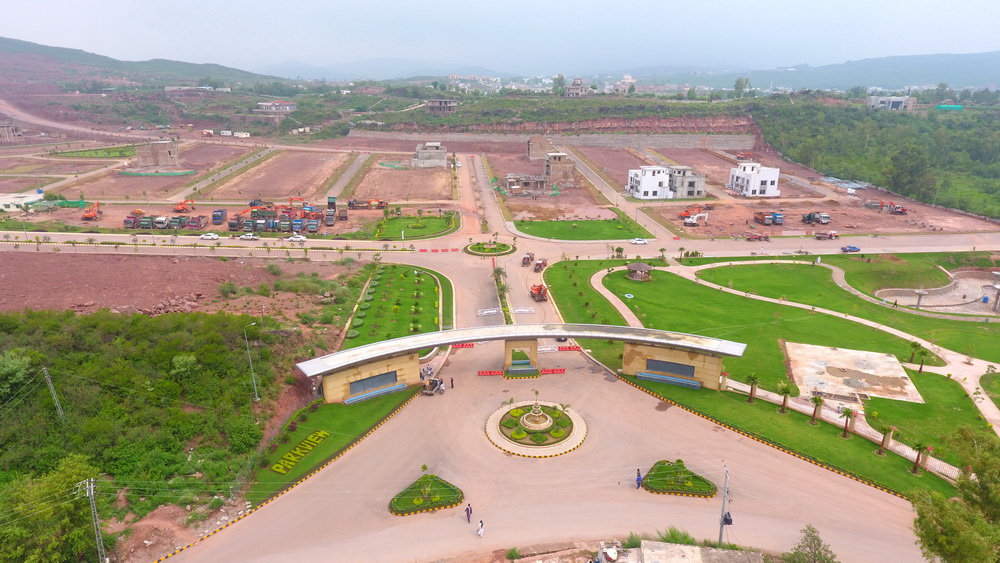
<point>886,437</point>
<point>848,414</point>
<point>498,274</point>
<point>817,401</point>
<point>922,354</point>
<point>753,380</point>
<point>502,289</point>
<point>919,447</point>
<point>784,389</point>
<point>914,346</point>
<point>680,253</point>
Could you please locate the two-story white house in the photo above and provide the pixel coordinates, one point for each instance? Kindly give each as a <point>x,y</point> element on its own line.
<point>750,179</point>
<point>664,182</point>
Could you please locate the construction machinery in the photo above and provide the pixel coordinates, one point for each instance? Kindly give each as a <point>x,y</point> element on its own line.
<point>184,206</point>
<point>693,221</point>
<point>689,212</point>
<point>539,292</point>
<point>752,237</point>
<point>331,202</point>
<point>433,385</point>
<point>146,222</point>
<point>312,226</point>
<point>541,263</point>
<point>197,223</point>
<point>829,235</point>
<point>260,203</point>
<point>527,259</point>
<point>330,218</point>
<point>93,212</point>
<point>896,209</point>
<point>816,217</point>
<point>133,220</point>
<point>367,204</point>
<point>746,155</point>
<point>769,218</point>
<point>342,214</point>
<point>161,222</point>
<point>219,216</point>
<point>302,203</point>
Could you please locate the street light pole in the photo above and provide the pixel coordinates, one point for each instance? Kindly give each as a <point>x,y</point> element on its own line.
<point>253,377</point>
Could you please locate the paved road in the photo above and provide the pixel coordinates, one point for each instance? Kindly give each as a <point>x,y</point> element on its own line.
<point>340,514</point>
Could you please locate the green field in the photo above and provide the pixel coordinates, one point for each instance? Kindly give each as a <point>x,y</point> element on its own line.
<point>108,152</point>
<point>815,286</point>
<point>622,228</point>
<point>400,301</point>
<point>345,423</point>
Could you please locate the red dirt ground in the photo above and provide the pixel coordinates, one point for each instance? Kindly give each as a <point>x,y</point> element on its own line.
<point>201,157</point>
<point>287,174</point>
<point>401,186</point>
<point>614,162</point>
<point>35,165</point>
<point>14,185</point>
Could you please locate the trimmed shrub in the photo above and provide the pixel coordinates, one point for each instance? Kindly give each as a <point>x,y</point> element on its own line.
<point>518,434</point>
<point>509,422</point>
<point>563,422</point>
<point>539,437</point>
<point>352,334</point>
<point>364,306</point>
<point>557,432</point>
<point>516,413</point>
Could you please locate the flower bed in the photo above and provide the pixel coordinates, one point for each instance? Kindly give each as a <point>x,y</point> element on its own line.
<point>489,249</point>
<point>510,426</point>
<point>427,493</point>
<point>671,477</point>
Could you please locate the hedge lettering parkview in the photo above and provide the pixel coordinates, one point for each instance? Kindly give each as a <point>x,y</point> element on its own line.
<point>290,459</point>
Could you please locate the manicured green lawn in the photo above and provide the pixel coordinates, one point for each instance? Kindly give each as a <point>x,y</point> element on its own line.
<point>345,423</point>
<point>815,286</point>
<point>108,152</point>
<point>669,302</point>
<point>822,442</point>
<point>991,385</point>
<point>622,228</point>
<point>947,407</point>
<point>426,493</point>
<point>673,477</point>
<point>402,303</point>
<point>410,227</point>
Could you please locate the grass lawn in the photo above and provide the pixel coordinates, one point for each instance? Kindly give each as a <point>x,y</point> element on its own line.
<point>410,227</point>
<point>346,425</point>
<point>815,286</point>
<point>402,303</point>
<point>622,228</point>
<point>669,302</point>
<point>426,493</point>
<point>673,477</point>
<point>947,408</point>
<point>822,442</point>
<point>107,152</point>
<point>991,385</point>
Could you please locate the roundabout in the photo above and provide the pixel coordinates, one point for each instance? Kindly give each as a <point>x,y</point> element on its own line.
<point>533,429</point>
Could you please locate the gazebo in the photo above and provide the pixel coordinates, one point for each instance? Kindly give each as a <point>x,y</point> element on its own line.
<point>638,271</point>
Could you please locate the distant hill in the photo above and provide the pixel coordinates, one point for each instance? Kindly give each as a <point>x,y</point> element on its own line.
<point>977,70</point>
<point>24,61</point>
<point>373,69</point>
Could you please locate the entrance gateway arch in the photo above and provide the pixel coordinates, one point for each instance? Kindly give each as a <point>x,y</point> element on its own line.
<point>383,367</point>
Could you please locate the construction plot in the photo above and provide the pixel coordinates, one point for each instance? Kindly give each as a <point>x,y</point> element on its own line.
<point>559,203</point>
<point>287,174</point>
<point>29,165</point>
<point>849,375</point>
<point>716,169</point>
<point>614,162</point>
<point>393,180</point>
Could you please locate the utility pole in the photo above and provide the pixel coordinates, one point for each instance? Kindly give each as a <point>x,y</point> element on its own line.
<point>725,519</point>
<point>55,398</point>
<point>87,487</point>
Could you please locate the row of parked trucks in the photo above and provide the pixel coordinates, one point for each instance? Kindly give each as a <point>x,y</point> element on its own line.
<point>260,216</point>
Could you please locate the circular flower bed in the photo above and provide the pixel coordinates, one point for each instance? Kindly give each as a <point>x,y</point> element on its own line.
<point>489,248</point>
<point>512,429</point>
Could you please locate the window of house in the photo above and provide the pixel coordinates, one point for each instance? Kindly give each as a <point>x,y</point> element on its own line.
<point>690,193</point>
<point>654,193</point>
<point>645,193</point>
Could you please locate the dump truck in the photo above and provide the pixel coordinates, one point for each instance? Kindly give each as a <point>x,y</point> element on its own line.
<point>540,264</point>
<point>197,223</point>
<point>330,218</point>
<point>527,259</point>
<point>769,218</point>
<point>145,222</point>
<point>297,225</point>
<point>312,226</point>
<point>342,214</point>
<point>829,235</point>
<point>161,222</point>
<point>757,237</point>
<point>132,222</point>
<point>235,223</point>
<point>816,217</point>
<point>539,292</point>
<point>219,216</point>
<point>331,202</point>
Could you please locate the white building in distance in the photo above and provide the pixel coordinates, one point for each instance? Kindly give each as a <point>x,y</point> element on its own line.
<point>750,179</point>
<point>664,182</point>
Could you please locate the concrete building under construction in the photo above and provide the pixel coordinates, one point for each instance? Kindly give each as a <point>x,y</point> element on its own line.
<point>157,154</point>
<point>429,155</point>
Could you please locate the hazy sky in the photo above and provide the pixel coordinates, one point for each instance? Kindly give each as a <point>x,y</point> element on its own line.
<point>516,36</point>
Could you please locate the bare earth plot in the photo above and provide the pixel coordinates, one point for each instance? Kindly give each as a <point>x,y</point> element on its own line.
<point>615,162</point>
<point>288,174</point>
<point>17,184</point>
<point>373,144</point>
<point>400,186</point>
<point>34,165</point>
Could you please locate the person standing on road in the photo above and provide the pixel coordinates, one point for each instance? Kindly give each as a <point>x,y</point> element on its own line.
<point>638,479</point>
<point>452,382</point>
<point>481,529</point>
<point>468,513</point>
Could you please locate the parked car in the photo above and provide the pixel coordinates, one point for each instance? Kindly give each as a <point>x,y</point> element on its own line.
<point>209,236</point>
<point>850,248</point>
<point>297,238</point>
<point>249,236</point>
<point>639,241</point>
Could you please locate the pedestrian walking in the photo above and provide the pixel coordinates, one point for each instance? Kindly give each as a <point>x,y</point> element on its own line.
<point>452,379</point>
<point>481,529</point>
<point>468,513</point>
<point>638,479</point>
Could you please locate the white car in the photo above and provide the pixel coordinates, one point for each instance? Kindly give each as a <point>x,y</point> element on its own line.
<point>639,241</point>
<point>209,236</point>
<point>249,236</point>
<point>297,238</point>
